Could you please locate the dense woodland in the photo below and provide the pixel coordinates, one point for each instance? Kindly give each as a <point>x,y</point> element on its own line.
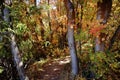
<point>36,34</point>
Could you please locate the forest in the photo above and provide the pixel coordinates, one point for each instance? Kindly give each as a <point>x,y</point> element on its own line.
<point>59,39</point>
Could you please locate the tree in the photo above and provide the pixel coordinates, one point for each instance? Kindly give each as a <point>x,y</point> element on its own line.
<point>71,22</point>
<point>103,12</point>
<point>14,49</point>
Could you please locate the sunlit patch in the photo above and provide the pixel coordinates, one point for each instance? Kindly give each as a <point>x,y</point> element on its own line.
<point>54,7</point>
<point>46,75</point>
<point>71,27</point>
<point>1,69</point>
<point>91,45</point>
<point>56,69</point>
<point>83,47</point>
<point>65,61</point>
<point>103,39</point>
<point>21,64</point>
<point>38,2</point>
<point>42,70</point>
<point>50,64</point>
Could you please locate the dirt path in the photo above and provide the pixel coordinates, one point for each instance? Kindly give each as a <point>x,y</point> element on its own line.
<point>50,70</point>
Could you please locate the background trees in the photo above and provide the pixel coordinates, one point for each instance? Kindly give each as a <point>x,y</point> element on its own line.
<point>41,29</point>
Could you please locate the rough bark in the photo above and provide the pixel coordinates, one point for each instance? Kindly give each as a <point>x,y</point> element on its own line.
<point>71,17</point>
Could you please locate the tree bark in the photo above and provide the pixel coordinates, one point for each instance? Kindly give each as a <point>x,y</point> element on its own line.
<point>99,45</point>
<point>103,12</point>
<point>14,49</point>
<point>104,9</point>
<point>17,59</point>
<point>71,18</point>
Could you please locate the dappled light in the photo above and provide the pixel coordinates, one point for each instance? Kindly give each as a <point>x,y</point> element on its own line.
<point>65,61</point>
<point>59,39</point>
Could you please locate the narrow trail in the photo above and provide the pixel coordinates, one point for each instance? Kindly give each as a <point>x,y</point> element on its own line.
<point>51,70</point>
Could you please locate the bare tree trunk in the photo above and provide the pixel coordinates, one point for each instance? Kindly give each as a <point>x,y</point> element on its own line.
<point>71,42</point>
<point>104,9</point>
<point>99,45</point>
<point>14,49</point>
<point>17,59</point>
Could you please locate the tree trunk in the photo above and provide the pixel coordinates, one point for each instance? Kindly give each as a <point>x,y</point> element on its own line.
<point>17,59</point>
<point>117,32</point>
<point>71,17</point>
<point>14,49</point>
<point>79,25</point>
<point>49,23</point>
<point>99,45</point>
<point>103,12</point>
<point>104,9</point>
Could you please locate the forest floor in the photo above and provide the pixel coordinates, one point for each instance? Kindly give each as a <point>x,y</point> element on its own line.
<point>49,70</point>
<point>56,69</point>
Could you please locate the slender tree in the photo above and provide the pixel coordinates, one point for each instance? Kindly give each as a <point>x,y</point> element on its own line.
<point>79,24</point>
<point>104,9</point>
<point>71,22</point>
<point>14,49</point>
<point>112,40</point>
<point>49,23</point>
